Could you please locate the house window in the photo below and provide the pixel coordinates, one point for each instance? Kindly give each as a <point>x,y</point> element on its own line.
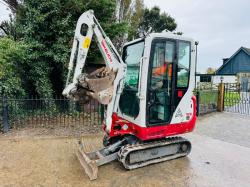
<point>205,78</point>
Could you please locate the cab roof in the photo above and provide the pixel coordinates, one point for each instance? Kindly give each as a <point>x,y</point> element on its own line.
<point>167,35</point>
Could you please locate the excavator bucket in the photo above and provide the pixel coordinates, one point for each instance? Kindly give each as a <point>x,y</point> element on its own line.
<point>97,85</point>
<point>90,161</point>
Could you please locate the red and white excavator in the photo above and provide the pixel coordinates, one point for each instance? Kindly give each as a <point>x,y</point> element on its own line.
<point>148,91</point>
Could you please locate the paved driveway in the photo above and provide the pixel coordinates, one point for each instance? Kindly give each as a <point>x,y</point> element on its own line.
<point>228,127</point>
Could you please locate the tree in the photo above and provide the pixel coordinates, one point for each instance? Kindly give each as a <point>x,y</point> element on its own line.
<point>12,55</point>
<point>130,11</point>
<point>136,17</point>
<point>156,20</point>
<point>210,70</point>
<point>47,27</point>
<point>8,27</point>
<point>13,5</point>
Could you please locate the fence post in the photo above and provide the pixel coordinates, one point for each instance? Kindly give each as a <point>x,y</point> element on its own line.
<point>5,115</point>
<point>102,113</point>
<point>220,102</point>
<point>197,103</point>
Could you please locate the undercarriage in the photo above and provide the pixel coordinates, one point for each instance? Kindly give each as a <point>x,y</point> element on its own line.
<point>133,153</point>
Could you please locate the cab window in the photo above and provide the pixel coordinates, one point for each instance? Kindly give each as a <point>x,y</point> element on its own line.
<point>160,82</point>
<point>129,102</point>
<point>183,67</point>
<point>132,56</point>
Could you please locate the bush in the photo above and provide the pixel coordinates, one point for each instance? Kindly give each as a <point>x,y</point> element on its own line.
<point>12,55</point>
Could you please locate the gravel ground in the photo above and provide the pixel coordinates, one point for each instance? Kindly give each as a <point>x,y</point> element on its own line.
<point>51,162</point>
<point>32,159</point>
<point>52,131</point>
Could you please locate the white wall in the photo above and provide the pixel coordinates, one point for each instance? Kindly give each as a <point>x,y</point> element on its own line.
<point>217,79</point>
<point>226,79</point>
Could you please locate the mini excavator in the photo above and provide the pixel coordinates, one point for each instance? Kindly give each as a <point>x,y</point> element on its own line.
<point>148,93</point>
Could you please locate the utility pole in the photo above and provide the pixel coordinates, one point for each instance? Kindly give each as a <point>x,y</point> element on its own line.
<point>196,53</point>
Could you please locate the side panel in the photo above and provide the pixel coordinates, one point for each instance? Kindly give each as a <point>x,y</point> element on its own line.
<point>122,127</point>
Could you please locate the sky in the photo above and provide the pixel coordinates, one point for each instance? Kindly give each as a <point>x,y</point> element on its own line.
<point>220,26</point>
<point>4,13</point>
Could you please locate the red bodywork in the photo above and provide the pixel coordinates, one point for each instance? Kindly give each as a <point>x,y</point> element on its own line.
<point>155,132</point>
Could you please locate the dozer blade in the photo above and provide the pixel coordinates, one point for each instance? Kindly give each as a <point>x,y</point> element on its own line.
<point>90,161</point>
<point>90,166</point>
<point>97,85</point>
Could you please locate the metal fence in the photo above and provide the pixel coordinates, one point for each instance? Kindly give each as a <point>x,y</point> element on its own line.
<point>207,96</point>
<point>60,112</point>
<point>237,98</point>
<point>48,113</point>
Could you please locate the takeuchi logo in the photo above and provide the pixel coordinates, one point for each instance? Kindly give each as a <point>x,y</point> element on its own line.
<point>106,50</point>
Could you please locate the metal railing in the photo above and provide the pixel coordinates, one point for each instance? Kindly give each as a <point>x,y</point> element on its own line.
<point>207,96</point>
<point>237,98</point>
<point>48,112</point>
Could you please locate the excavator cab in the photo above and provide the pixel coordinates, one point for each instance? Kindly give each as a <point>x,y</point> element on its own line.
<point>160,71</point>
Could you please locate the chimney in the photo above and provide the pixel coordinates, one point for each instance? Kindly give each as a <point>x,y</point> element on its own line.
<point>225,60</point>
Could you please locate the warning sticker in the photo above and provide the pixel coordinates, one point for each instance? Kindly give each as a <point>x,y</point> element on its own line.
<point>178,113</point>
<point>86,43</point>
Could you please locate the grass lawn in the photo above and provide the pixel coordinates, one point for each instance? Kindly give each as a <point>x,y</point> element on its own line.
<point>208,97</point>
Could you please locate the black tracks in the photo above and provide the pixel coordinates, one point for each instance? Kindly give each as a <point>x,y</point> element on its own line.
<point>139,155</point>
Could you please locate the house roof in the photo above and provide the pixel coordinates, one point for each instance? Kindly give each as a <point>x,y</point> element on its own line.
<point>245,49</point>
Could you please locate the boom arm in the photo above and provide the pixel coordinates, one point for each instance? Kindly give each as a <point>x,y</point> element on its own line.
<point>105,89</point>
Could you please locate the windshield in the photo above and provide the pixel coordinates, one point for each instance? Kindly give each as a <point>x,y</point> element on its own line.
<point>132,55</point>
<point>129,102</point>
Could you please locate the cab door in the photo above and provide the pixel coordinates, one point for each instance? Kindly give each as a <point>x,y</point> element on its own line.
<point>182,71</point>
<point>160,81</point>
<point>168,79</point>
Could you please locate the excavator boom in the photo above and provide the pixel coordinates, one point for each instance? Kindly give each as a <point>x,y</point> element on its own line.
<point>102,83</point>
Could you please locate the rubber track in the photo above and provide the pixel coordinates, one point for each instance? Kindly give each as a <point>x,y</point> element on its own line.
<point>124,152</point>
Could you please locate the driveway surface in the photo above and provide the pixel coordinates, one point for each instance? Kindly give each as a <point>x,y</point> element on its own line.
<point>218,158</point>
<point>228,127</point>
